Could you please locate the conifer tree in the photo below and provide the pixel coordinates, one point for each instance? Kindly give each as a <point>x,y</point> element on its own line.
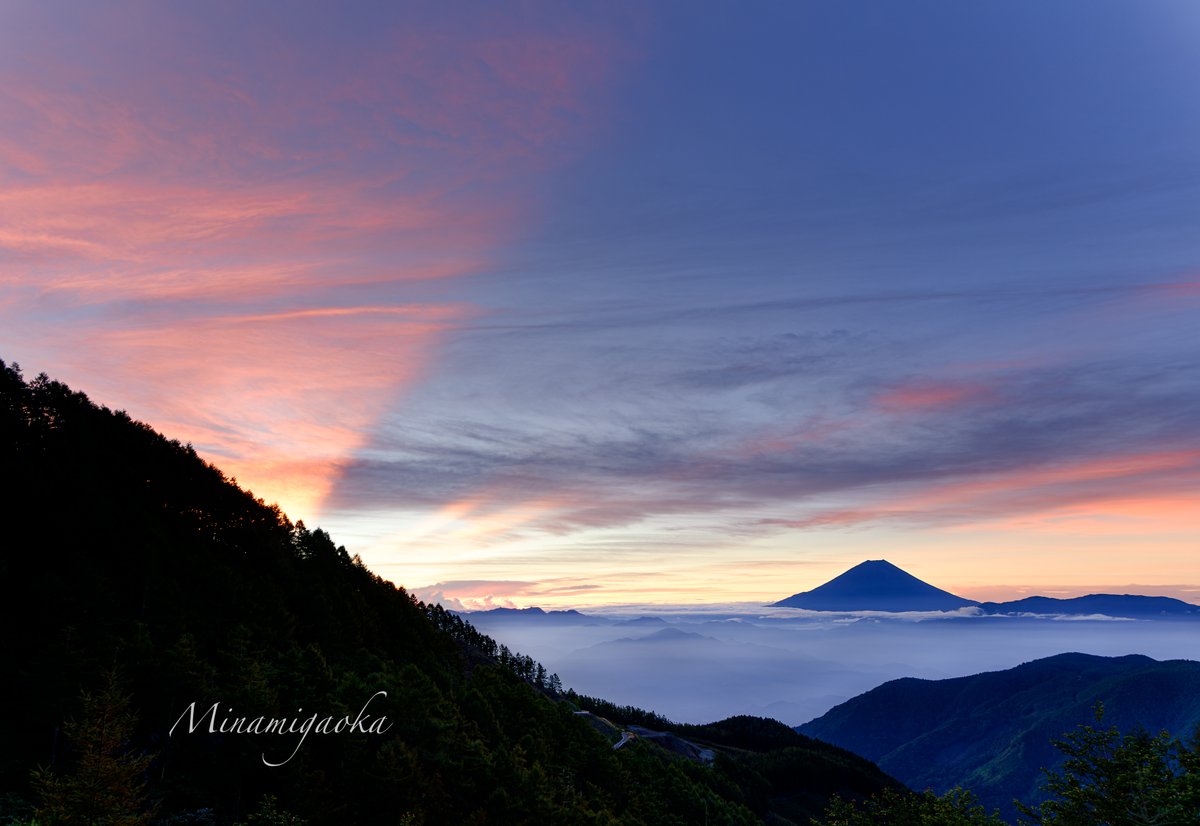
<point>106,786</point>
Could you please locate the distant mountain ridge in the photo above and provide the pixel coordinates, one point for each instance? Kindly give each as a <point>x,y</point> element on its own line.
<point>521,612</point>
<point>501,617</point>
<point>876,585</point>
<point>1133,606</point>
<point>993,732</point>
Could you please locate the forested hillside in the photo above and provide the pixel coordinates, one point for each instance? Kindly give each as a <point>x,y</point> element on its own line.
<point>137,579</point>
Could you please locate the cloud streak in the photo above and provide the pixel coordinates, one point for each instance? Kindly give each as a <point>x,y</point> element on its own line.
<point>1010,440</point>
<point>236,229</point>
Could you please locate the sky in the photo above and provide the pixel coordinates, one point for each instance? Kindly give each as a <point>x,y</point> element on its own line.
<point>600,303</point>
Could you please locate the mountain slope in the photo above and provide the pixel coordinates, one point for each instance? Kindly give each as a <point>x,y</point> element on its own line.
<point>127,560</point>
<point>993,732</point>
<point>1113,605</point>
<point>875,585</point>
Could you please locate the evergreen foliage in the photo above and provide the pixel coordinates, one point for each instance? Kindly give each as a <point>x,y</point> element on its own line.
<point>1115,779</point>
<point>106,784</point>
<point>895,808</point>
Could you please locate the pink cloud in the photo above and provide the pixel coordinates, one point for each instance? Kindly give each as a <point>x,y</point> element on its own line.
<point>815,431</point>
<point>1174,290</point>
<point>929,395</point>
<point>181,198</point>
<point>276,399</point>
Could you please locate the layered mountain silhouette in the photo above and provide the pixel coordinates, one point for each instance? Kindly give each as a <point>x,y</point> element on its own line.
<point>1132,606</point>
<point>533,615</point>
<point>876,585</point>
<point>993,732</point>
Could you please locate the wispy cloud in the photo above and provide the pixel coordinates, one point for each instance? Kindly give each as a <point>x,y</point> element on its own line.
<point>483,594</point>
<point>233,229</point>
<point>792,435</point>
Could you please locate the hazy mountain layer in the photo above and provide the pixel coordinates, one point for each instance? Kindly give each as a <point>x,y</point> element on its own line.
<point>993,732</point>
<point>1111,605</point>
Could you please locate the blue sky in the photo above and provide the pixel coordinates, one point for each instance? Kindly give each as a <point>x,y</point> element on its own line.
<point>602,303</point>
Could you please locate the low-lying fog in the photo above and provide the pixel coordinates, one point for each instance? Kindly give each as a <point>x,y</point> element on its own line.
<point>700,665</point>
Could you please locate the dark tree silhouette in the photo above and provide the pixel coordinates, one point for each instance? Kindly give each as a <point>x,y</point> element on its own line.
<point>106,784</point>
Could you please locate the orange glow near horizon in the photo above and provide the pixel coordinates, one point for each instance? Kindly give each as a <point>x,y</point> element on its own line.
<point>1022,540</point>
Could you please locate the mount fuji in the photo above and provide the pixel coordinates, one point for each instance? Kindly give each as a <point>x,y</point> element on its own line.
<point>875,585</point>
